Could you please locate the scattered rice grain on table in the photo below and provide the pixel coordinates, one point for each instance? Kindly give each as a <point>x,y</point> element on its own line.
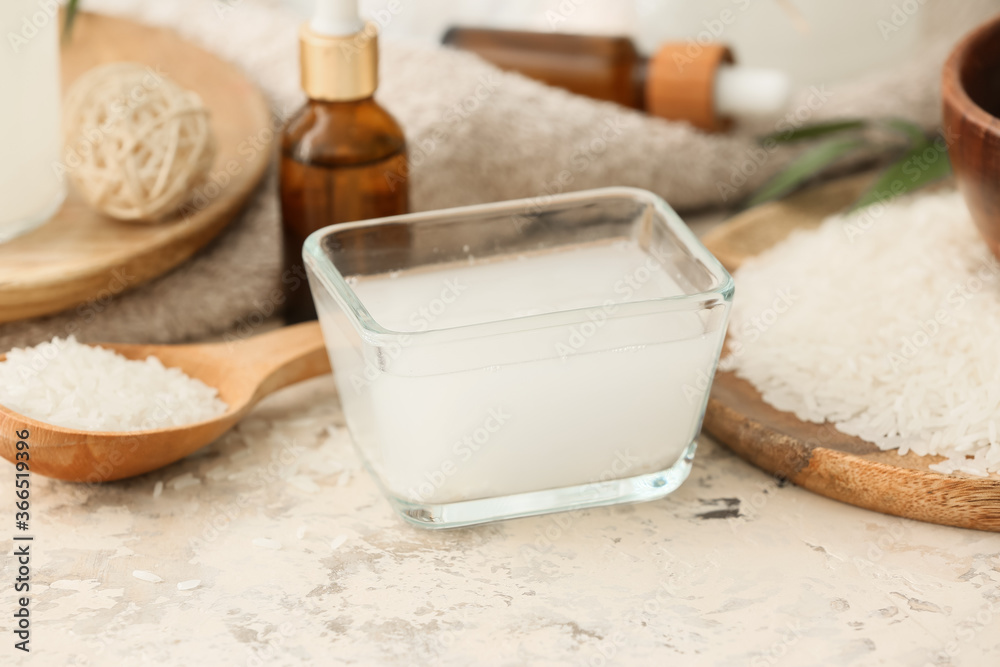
<point>885,323</point>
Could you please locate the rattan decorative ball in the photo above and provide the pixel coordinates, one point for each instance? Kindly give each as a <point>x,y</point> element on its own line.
<point>137,144</point>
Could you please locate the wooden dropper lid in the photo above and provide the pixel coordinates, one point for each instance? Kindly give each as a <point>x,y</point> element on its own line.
<point>680,83</point>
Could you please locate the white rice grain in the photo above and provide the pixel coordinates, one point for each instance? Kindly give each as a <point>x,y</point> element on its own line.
<point>885,325</point>
<point>66,383</point>
<point>146,576</point>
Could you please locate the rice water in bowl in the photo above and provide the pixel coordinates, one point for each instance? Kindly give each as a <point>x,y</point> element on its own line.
<point>512,359</point>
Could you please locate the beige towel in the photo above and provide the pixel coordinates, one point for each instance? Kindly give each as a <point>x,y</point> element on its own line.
<point>476,135</point>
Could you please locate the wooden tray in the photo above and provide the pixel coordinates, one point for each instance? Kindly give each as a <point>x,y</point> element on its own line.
<point>818,457</point>
<point>81,255</point>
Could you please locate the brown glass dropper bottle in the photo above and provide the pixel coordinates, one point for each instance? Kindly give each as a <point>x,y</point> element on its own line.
<point>343,156</point>
<point>688,81</point>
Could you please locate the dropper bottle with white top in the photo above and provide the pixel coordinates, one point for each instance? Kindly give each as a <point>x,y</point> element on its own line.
<point>689,81</point>
<point>343,156</point>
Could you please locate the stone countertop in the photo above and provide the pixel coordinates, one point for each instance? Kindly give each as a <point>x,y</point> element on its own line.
<point>299,559</point>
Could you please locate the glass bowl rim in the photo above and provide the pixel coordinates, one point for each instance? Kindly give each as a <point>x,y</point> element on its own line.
<point>337,286</point>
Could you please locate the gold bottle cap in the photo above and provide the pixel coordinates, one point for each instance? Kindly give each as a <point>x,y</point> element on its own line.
<point>339,68</point>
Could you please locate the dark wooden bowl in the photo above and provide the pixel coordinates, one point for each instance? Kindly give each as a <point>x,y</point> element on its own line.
<point>971,94</point>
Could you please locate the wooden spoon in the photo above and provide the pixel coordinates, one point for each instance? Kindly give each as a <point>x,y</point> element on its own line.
<point>243,371</point>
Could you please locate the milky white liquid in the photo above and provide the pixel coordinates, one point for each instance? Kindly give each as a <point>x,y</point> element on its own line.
<point>30,188</point>
<point>539,409</point>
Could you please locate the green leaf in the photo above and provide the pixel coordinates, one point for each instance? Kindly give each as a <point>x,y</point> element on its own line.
<point>814,130</point>
<point>71,8</point>
<point>925,163</point>
<point>804,167</point>
<point>912,131</point>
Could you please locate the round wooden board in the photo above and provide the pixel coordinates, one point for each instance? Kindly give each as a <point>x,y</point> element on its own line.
<point>81,255</point>
<point>818,457</point>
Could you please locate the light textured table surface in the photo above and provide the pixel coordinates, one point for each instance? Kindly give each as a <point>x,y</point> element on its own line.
<point>300,560</point>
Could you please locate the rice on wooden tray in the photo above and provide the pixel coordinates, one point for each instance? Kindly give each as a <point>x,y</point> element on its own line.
<point>885,323</point>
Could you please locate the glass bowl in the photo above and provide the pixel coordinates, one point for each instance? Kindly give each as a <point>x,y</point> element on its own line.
<point>522,357</point>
